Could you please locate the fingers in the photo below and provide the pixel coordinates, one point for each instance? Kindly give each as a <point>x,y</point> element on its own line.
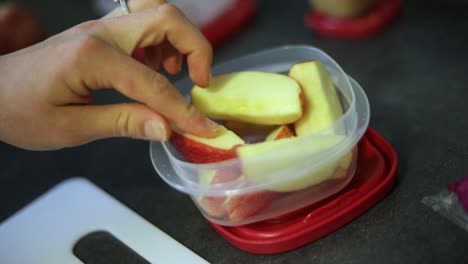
<point>171,58</point>
<point>153,26</point>
<point>87,123</point>
<point>166,55</point>
<point>142,84</point>
<point>153,57</point>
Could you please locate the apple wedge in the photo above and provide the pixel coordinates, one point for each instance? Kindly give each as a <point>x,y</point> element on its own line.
<point>205,150</point>
<point>270,160</point>
<point>240,207</point>
<point>252,97</point>
<point>322,105</point>
<point>213,205</point>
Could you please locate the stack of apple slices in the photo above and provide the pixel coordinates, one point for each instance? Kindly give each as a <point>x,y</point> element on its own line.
<point>264,112</point>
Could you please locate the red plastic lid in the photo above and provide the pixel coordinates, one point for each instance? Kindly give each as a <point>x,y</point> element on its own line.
<point>230,22</point>
<point>369,24</point>
<point>377,163</point>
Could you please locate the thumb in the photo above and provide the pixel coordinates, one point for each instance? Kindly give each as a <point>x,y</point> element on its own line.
<point>92,122</point>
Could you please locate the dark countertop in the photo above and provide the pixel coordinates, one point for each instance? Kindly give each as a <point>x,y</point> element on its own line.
<point>415,76</point>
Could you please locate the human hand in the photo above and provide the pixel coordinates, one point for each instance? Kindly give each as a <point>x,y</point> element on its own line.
<point>46,89</point>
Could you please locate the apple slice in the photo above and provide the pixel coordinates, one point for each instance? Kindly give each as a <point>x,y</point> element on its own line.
<point>240,207</point>
<point>250,133</point>
<point>205,150</point>
<point>213,205</point>
<point>322,105</point>
<point>270,160</point>
<point>252,97</point>
<point>280,132</point>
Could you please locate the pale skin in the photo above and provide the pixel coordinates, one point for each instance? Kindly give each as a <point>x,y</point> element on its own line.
<point>46,89</point>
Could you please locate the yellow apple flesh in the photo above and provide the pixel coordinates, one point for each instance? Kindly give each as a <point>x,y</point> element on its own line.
<point>253,97</point>
<point>322,106</point>
<point>267,161</point>
<point>342,8</point>
<point>270,160</point>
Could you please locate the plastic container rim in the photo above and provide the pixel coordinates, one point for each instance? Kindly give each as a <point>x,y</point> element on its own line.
<point>358,129</point>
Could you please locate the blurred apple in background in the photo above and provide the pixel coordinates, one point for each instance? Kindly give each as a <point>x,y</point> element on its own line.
<point>19,28</point>
<point>342,8</point>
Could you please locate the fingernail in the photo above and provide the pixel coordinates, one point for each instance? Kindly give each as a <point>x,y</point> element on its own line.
<point>155,130</point>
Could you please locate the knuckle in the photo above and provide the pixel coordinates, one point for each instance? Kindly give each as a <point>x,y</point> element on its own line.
<point>123,123</point>
<point>161,86</point>
<point>88,45</point>
<point>169,10</point>
<point>207,48</point>
<point>75,52</point>
<point>169,13</point>
<point>149,3</point>
<point>126,125</point>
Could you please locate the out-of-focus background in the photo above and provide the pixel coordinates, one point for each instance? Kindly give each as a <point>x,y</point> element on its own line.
<point>413,70</point>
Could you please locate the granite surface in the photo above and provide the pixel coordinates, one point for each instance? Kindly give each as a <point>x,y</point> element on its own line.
<point>415,76</point>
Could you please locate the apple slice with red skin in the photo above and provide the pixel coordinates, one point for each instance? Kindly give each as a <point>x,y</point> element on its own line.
<point>213,205</point>
<point>240,207</point>
<point>206,150</point>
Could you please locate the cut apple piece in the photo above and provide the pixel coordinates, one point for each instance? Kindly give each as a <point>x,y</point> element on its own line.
<point>250,133</point>
<point>280,132</point>
<point>322,105</point>
<point>205,150</point>
<point>252,97</point>
<point>269,160</point>
<point>240,207</point>
<point>213,205</point>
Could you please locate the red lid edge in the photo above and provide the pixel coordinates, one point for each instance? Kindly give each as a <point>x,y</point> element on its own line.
<point>328,225</point>
<point>230,22</point>
<point>377,19</point>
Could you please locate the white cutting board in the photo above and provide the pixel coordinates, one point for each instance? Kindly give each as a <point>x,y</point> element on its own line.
<point>46,230</point>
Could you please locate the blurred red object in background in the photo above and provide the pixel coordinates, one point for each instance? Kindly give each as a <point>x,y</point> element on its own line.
<point>367,24</point>
<point>19,28</point>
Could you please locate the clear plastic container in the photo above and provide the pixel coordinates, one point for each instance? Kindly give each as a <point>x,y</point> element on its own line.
<point>241,191</point>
